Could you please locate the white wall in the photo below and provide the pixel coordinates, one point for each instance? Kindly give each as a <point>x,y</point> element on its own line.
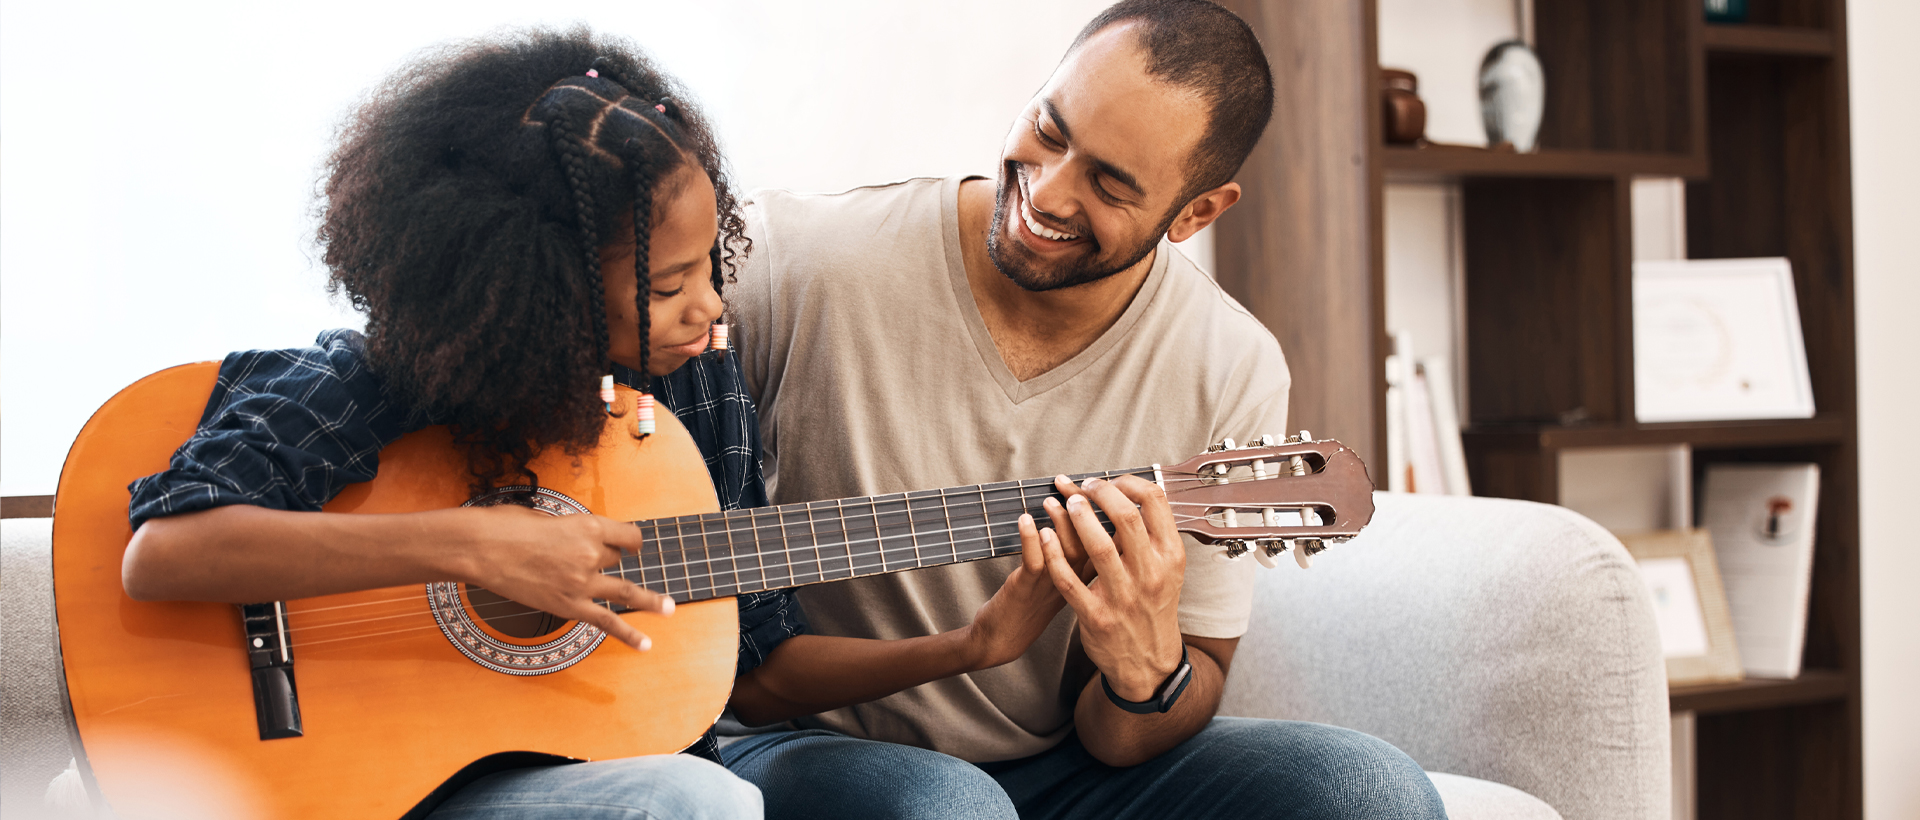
<point>1886,177</point>
<point>159,158</point>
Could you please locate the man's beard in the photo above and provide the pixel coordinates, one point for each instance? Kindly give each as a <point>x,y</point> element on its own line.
<point>1019,264</point>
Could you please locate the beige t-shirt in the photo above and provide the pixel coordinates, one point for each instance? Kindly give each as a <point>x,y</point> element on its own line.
<point>875,374</point>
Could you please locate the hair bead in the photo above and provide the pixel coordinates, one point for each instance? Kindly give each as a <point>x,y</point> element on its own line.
<point>606,391</point>
<point>643,414</point>
<point>717,341</point>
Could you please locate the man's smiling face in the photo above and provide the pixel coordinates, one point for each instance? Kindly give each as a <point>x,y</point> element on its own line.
<point>1091,170</point>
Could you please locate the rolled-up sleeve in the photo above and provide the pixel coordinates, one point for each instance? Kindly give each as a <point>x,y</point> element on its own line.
<point>283,429</point>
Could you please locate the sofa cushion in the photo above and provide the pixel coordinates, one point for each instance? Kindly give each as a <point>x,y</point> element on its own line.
<point>33,723</point>
<point>1502,640</point>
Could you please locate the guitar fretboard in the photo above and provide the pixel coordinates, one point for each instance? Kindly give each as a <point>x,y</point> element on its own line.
<point>713,555</point>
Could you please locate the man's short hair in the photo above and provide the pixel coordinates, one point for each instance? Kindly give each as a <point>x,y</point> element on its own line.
<point>1197,45</point>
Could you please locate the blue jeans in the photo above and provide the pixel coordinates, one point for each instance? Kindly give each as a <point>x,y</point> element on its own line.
<point>659,787</point>
<point>1234,768</point>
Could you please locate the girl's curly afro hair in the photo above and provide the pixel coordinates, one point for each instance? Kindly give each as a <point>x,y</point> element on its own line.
<point>464,213</point>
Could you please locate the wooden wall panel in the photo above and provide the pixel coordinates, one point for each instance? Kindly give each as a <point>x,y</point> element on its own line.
<point>1611,67</point>
<point>1298,250</point>
<point>1542,291</point>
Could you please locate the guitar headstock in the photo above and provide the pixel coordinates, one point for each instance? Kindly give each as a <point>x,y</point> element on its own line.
<point>1264,498</point>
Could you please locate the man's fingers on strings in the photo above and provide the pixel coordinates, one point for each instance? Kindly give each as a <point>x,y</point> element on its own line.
<point>1093,537</point>
<point>1128,529</point>
<point>1155,513</point>
<point>1063,526</point>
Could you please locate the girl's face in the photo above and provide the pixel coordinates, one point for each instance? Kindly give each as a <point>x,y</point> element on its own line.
<point>683,303</point>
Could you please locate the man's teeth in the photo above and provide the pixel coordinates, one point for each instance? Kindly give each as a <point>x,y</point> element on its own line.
<point>1026,214</point>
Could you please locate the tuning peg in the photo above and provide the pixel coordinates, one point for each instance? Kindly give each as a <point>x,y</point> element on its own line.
<point>1268,553</point>
<point>1304,550</point>
<point>1230,550</point>
<point>1305,437</point>
<point>1297,464</point>
<point>1266,439</point>
<point>1259,469</point>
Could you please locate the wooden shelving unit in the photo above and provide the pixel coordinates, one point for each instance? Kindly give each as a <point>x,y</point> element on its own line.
<point>1754,117</point>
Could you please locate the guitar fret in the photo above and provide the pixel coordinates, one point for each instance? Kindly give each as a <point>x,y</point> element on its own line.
<point>891,522</point>
<point>837,546</point>
<point>725,523</point>
<point>953,536</point>
<point>796,539</point>
<point>707,571</point>
<point>971,525</point>
<point>813,536</point>
<point>653,572</point>
<point>927,514</point>
<point>757,574</point>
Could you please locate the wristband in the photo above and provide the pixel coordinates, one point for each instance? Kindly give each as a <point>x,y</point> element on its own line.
<point>1163,698</point>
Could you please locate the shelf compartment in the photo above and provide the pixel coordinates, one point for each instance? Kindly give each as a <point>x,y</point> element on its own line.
<point>1779,41</point>
<point>1820,430</point>
<point>1813,686</point>
<point>1458,162</point>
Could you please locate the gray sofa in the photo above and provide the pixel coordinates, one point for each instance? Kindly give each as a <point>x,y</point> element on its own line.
<point>1507,646</point>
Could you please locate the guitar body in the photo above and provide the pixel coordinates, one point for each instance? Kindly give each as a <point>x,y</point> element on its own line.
<point>162,695</point>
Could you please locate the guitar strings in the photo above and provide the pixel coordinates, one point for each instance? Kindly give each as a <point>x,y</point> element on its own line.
<point>820,560</point>
<point>623,572</point>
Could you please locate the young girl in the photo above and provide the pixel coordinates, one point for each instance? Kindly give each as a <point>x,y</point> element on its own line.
<point>518,218</point>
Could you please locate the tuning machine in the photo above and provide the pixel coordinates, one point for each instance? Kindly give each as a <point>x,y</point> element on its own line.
<point>1267,551</point>
<point>1305,548</point>
<point>1231,550</point>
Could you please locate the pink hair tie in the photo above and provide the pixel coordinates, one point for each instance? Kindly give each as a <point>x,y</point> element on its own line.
<point>593,73</point>
<point>660,108</point>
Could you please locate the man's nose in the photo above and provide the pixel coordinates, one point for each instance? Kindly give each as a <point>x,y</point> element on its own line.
<point>1049,191</point>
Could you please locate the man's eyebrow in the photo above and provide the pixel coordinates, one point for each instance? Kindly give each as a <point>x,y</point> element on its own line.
<point>1105,167</point>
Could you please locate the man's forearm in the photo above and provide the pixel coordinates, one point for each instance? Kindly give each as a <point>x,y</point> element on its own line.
<point>1117,737</point>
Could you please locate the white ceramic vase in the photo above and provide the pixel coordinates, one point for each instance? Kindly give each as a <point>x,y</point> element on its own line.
<point>1513,95</point>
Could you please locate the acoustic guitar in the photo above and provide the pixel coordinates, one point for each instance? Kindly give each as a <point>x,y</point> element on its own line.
<point>363,704</point>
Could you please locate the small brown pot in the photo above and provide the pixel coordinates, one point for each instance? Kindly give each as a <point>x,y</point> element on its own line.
<point>1403,115</point>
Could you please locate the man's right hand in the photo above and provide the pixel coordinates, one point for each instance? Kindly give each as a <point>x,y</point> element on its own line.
<point>554,564</point>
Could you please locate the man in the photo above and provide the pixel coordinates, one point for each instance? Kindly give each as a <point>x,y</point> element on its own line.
<point>944,332</point>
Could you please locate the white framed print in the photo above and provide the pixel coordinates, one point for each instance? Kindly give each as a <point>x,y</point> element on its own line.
<point>1716,340</point>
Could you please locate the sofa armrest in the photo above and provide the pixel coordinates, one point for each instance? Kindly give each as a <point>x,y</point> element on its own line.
<point>1503,640</point>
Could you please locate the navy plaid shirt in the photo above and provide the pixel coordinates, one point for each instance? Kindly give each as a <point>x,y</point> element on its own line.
<point>290,429</point>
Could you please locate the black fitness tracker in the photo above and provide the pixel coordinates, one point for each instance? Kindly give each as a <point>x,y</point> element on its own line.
<point>1163,699</point>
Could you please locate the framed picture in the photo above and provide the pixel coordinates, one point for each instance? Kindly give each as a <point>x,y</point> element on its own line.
<point>1689,604</point>
<point>1718,339</point>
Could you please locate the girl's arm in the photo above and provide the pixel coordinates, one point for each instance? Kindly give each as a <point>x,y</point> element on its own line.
<point>807,674</point>
<point>244,554</point>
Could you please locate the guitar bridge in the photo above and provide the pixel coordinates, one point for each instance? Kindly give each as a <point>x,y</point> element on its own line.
<point>276,702</point>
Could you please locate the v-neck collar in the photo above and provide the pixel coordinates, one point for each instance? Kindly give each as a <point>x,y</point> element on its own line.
<point>1019,391</point>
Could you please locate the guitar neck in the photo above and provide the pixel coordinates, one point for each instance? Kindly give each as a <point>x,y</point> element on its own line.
<point>697,557</point>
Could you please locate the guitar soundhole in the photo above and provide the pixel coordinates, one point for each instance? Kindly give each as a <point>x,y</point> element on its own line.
<point>556,644</point>
<point>512,618</point>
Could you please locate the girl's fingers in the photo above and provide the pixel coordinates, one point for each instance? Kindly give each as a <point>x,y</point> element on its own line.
<point>1031,555</point>
<point>1064,579</point>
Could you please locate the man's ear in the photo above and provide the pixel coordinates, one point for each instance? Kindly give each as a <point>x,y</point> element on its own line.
<point>1202,211</point>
